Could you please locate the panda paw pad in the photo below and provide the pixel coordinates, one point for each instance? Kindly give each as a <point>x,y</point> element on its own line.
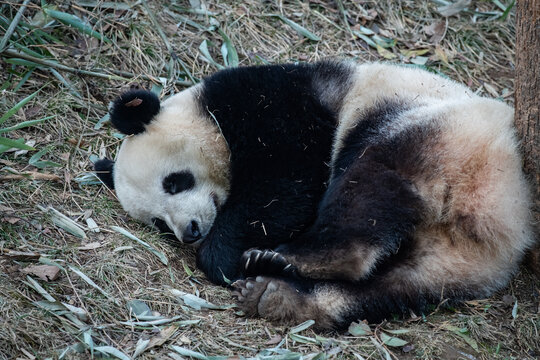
<point>248,293</point>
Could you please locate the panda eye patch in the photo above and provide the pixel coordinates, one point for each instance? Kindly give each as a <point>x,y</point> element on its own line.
<point>178,182</point>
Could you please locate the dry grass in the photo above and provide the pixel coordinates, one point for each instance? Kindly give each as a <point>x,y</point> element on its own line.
<point>473,47</point>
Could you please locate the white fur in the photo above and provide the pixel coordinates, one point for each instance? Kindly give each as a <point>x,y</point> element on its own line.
<point>178,138</point>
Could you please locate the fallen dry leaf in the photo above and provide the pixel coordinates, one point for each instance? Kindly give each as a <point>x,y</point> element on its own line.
<point>274,340</point>
<point>44,272</point>
<point>19,255</point>
<point>11,219</point>
<point>164,335</point>
<point>437,31</point>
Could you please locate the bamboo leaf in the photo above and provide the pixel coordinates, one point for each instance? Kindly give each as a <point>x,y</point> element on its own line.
<point>17,106</point>
<point>462,333</point>
<point>230,56</point>
<point>127,234</point>
<point>9,143</point>
<point>298,28</point>
<point>392,340</point>
<point>203,48</point>
<point>74,21</point>
<point>64,222</point>
<point>303,326</point>
<point>196,302</point>
<point>112,351</point>
<point>141,346</point>
<point>35,160</point>
<point>359,329</point>
<point>186,352</point>
<point>25,124</point>
<point>91,282</point>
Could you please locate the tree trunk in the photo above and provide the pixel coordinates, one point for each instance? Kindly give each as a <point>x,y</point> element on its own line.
<point>527,99</point>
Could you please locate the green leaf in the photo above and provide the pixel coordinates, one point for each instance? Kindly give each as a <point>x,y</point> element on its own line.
<point>24,79</point>
<point>385,53</point>
<point>25,124</point>
<point>35,285</point>
<point>87,337</point>
<point>101,121</point>
<point>365,38</point>
<point>141,346</point>
<point>91,282</point>
<point>187,269</point>
<point>203,48</point>
<point>22,62</point>
<point>303,326</point>
<point>139,308</point>
<point>109,350</point>
<point>398,331</point>
<point>151,322</point>
<point>299,29</point>
<point>9,143</point>
<point>384,42</point>
<point>461,332</point>
<point>303,339</point>
<point>186,352</point>
<point>148,247</point>
<point>230,56</point>
<point>196,302</point>
<point>359,329</point>
<point>514,310</point>
<point>105,5</point>
<point>35,160</point>
<point>16,108</point>
<point>507,10</point>
<point>74,21</point>
<point>392,341</point>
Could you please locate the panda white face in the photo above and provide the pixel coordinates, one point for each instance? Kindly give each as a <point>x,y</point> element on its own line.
<point>174,173</point>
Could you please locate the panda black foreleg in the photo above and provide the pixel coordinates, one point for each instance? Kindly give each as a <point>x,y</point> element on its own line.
<point>255,217</point>
<point>367,214</point>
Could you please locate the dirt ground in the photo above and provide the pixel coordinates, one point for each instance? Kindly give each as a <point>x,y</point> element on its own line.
<point>74,286</point>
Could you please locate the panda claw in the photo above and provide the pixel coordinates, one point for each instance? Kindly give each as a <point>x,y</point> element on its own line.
<point>266,262</point>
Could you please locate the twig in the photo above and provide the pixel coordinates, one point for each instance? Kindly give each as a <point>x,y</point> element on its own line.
<point>13,25</point>
<point>120,75</point>
<point>31,175</point>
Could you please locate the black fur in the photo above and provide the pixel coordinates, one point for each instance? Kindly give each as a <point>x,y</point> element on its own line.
<point>366,132</point>
<point>280,137</point>
<point>178,182</point>
<point>104,170</point>
<point>133,110</point>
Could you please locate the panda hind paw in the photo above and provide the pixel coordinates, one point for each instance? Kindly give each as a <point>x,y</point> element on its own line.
<point>248,293</point>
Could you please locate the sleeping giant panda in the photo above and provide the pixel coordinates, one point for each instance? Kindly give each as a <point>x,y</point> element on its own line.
<point>331,191</point>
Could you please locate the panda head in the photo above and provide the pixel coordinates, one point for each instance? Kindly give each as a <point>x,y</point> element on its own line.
<point>172,171</point>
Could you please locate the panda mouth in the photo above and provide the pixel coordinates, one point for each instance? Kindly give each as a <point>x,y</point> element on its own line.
<point>165,230</point>
<point>168,234</point>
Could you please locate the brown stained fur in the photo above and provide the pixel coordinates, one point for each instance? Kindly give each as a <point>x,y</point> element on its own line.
<point>352,264</point>
<point>278,301</point>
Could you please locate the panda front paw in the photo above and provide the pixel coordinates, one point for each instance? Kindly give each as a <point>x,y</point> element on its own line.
<point>266,262</point>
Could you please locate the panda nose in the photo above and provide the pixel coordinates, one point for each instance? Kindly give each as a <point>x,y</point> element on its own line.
<point>192,233</point>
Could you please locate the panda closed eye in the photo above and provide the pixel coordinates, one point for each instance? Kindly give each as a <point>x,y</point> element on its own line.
<point>178,182</point>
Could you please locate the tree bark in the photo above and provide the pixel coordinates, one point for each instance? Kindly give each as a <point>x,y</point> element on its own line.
<point>527,98</point>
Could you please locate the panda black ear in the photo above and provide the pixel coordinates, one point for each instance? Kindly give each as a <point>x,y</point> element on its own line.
<point>134,109</point>
<point>104,171</point>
